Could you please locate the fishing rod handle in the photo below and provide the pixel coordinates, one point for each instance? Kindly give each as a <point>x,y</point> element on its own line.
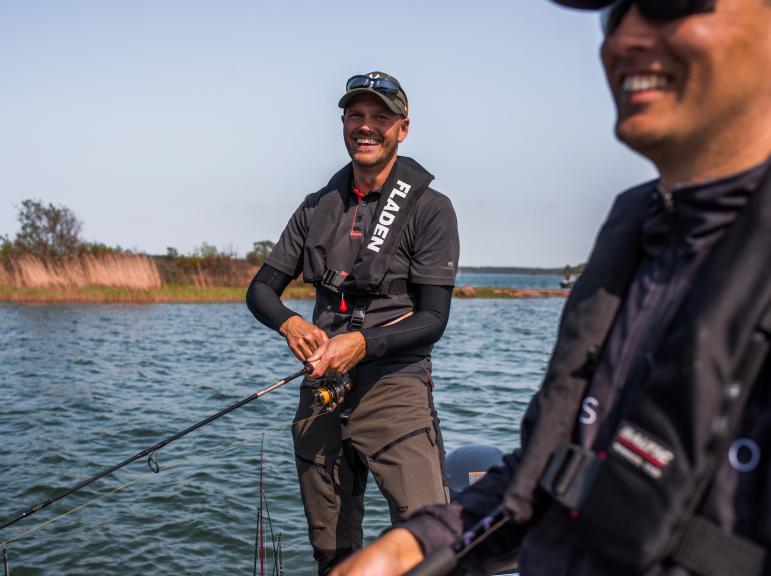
<point>445,559</point>
<point>438,563</point>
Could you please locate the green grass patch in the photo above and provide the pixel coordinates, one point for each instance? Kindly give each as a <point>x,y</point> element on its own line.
<point>172,293</point>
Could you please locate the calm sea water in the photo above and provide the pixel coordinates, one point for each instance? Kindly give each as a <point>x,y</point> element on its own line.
<point>85,386</point>
<point>527,281</point>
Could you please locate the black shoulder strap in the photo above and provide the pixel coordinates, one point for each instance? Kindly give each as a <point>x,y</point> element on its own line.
<point>406,182</point>
<point>584,327</point>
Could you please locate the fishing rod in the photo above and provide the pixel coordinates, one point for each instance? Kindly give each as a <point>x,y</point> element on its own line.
<point>443,560</point>
<point>150,452</point>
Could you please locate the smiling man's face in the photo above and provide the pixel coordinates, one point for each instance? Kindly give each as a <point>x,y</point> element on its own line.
<point>372,132</point>
<point>701,78</point>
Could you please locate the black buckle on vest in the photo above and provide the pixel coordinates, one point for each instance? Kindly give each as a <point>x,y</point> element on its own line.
<point>332,280</point>
<point>569,474</point>
<point>357,316</point>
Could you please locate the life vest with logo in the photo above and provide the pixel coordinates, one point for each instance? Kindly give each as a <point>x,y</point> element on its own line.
<point>399,195</point>
<point>635,502</point>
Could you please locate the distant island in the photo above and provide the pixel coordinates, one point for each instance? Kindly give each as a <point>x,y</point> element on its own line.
<point>48,261</point>
<point>565,270</point>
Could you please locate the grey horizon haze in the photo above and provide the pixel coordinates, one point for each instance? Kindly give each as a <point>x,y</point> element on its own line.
<point>174,123</point>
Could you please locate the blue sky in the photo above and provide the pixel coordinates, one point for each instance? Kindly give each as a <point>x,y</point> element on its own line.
<point>172,123</point>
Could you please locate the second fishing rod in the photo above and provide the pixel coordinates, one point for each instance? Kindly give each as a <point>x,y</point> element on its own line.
<point>307,369</point>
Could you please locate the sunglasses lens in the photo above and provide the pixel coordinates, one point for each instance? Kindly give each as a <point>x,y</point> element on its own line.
<point>666,10</point>
<point>656,10</point>
<point>357,82</point>
<point>387,88</point>
<point>382,85</point>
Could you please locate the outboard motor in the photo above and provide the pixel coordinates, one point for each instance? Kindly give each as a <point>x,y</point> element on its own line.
<point>468,464</point>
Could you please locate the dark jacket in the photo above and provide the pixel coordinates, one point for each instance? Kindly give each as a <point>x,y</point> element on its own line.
<point>715,345</point>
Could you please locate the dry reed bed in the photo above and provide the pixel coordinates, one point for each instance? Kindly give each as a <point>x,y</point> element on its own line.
<point>137,272</point>
<point>136,278</point>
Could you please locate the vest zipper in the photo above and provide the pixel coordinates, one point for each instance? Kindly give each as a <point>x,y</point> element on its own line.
<point>630,355</point>
<point>354,232</point>
<point>666,197</point>
<point>343,307</point>
<point>656,298</point>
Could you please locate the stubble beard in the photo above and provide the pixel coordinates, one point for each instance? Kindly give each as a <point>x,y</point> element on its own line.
<point>387,153</point>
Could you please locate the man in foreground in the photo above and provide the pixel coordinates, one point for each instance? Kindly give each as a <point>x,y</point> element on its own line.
<point>646,450</point>
<point>381,248</point>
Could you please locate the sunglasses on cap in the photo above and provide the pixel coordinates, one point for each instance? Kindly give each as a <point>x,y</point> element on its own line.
<point>656,10</point>
<point>382,85</point>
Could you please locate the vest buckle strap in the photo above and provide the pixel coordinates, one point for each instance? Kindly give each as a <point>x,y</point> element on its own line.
<point>569,474</point>
<point>332,280</point>
<point>357,316</point>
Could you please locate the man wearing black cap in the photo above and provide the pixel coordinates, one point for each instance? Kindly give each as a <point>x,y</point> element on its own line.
<point>647,449</point>
<point>381,248</point>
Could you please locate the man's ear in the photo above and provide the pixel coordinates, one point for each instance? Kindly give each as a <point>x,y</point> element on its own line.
<point>404,129</point>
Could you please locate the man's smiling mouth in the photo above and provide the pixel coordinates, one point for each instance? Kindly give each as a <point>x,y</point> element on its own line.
<point>633,83</point>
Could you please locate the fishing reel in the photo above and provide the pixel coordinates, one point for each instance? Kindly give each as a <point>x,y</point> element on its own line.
<point>331,391</point>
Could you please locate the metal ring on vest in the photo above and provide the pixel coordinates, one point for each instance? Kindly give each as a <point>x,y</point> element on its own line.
<point>747,465</point>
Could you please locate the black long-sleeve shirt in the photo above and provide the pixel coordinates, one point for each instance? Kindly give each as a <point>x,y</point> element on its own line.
<point>423,328</point>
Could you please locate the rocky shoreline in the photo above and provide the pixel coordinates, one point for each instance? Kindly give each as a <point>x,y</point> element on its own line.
<point>471,292</point>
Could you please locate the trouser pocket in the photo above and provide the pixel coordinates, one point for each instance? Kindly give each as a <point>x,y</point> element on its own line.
<point>334,515</point>
<point>409,472</point>
<point>317,488</point>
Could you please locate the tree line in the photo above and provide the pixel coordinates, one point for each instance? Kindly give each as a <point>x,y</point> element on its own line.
<point>54,231</point>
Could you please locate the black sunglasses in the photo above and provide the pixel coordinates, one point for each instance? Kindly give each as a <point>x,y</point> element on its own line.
<point>656,10</point>
<point>382,85</point>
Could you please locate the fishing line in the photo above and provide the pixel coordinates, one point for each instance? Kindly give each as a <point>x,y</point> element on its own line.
<point>258,538</point>
<point>260,532</point>
<point>272,538</point>
<point>280,557</point>
<point>145,476</point>
<point>172,466</point>
<point>150,451</point>
<point>177,464</point>
<point>37,527</point>
<point>155,468</point>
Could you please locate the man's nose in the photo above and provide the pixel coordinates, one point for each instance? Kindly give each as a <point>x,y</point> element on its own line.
<point>633,33</point>
<point>366,125</point>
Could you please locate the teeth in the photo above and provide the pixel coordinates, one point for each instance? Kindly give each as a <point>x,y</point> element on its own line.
<point>366,141</point>
<point>642,82</point>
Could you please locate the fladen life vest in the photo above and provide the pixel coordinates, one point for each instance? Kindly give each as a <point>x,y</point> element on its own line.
<point>404,185</point>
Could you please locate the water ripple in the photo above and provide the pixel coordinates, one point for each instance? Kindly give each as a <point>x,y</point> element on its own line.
<point>86,386</point>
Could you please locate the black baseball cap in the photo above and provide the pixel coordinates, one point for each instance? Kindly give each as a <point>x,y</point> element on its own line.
<point>382,85</point>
